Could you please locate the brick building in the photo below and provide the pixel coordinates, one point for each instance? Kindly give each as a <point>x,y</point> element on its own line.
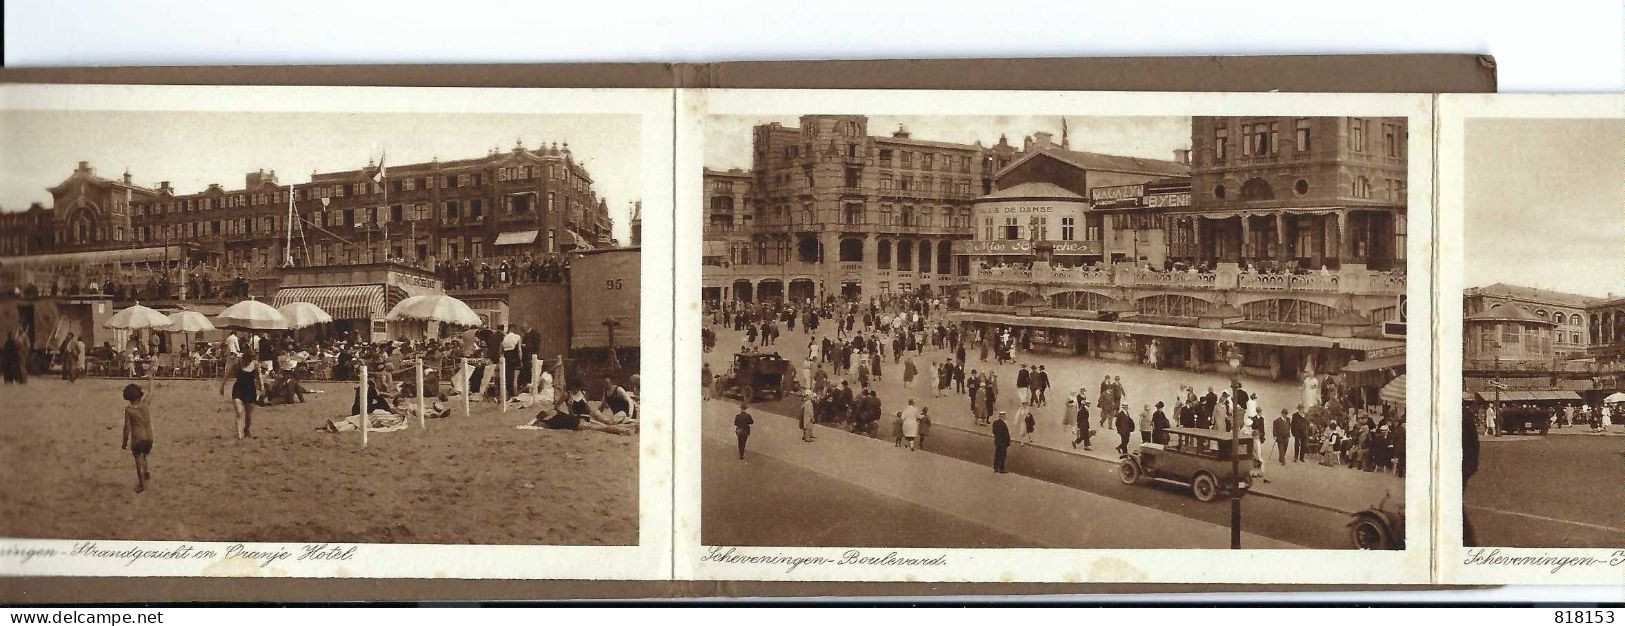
<point>504,203</point>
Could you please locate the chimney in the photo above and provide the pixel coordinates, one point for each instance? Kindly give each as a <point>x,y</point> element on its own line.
<point>163,186</point>
<point>126,176</point>
<point>84,166</point>
<point>901,132</point>
<point>1042,141</point>
<point>1183,156</point>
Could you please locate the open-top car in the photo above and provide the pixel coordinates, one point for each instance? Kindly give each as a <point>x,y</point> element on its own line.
<point>755,373</point>
<point>1200,457</point>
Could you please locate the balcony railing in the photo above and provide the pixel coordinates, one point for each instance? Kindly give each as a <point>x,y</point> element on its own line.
<point>1370,283</point>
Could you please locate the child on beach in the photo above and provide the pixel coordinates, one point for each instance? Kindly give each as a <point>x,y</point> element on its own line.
<point>137,437</point>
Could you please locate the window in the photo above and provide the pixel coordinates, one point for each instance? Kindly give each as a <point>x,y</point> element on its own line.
<point>1362,187</point>
<point>907,182</point>
<point>885,157</point>
<point>886,181</point>
<point>987,228</point>
<point>1092,227</point>
<point>451,210</point>
<point>926,161</point>
<point>1258,139</point>
<point>1068,228</point>
<point>1301,137</point>
<point>908,160</point>
<point>1356,134</point>
<point>1390,139</point>
<point>964,164</point>
<point>1012,229</point>
<point>854,176</point>
<point>1221,141</point>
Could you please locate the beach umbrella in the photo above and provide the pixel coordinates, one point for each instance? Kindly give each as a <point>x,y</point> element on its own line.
<point>302,314</point>
<point>1394,391</point>
<point>1614,398</point>
<point>434,308</point>
<point>189,322</point>
<point>251,315</point>
<point>137,317</point>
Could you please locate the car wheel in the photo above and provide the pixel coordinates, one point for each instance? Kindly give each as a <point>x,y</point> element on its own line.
<point>1369,533</point>
<point>1205,488</point>
<point>1129,471</point>
<point>747,393</point>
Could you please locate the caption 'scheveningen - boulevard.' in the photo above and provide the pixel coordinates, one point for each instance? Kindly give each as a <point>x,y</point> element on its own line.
<point>917,343</point>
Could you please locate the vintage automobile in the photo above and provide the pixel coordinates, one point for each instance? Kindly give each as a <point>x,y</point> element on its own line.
<point>1199,457</point>
<point>755,373</point>
<point>1521,419</point>
<point>1380,527</point>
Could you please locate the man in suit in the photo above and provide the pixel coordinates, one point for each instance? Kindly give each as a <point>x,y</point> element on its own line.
<point>1024,381</point>
<point>1282,430</point>
<point>1209,403</point>
<point>1040,385</point>
<point>1083,421</point>
<point>1001,443</point>
<point>1125,427</point>
<point>1300,432</point>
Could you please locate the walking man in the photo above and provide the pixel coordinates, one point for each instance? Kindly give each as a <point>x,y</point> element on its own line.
<point>806,416</point>
<point>1001,442</point>
<point>1300,433</point>
<point>1282,430</point>
<point>1040,385</point>
<point>742,423</point>
<point>1083,421</point>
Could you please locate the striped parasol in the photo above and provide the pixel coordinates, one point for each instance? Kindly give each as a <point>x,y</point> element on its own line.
<point>302,314</point>
<point>251,315</point>
<point>137,317</point>
<point>1394,391</point>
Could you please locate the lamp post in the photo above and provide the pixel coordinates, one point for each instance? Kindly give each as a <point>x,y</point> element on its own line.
<point>1495,426</point>
<point>1233,358</point>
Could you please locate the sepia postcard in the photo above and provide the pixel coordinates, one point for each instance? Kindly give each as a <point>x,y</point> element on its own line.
<point>1531,457</point>
<point>420,350</point>
<point>811,335</point>
<point>1020,336</point>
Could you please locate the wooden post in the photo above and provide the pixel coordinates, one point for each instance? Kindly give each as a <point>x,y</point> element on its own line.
<point>462,374</point>
<point>421,410</point>
<point>502,381</point>
<point>364,405</point>
<point>535,376</point>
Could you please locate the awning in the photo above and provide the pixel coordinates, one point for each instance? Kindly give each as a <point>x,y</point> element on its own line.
<point>348,302</point>
<point>155,254</point>
<point>1383,363</point>
<point>516,238</point>
<point>1178,332</point>
<point>1538,395</point>
<point>1394,391</point>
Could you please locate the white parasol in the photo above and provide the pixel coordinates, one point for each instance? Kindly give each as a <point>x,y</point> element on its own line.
<point>138,317</point>
<point>251,315</point>
<point>1614,398</point>
<point>189,322</point>
<point>302,314</point>
<point>434,308</point>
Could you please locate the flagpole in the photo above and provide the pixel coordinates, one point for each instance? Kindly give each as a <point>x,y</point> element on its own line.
<point>287,246</point>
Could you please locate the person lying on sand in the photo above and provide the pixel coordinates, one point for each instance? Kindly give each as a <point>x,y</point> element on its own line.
<point>577,415</point>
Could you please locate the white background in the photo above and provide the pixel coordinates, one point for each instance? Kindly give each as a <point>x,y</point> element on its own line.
<point>1549,46</point>
<point>1556,46</point>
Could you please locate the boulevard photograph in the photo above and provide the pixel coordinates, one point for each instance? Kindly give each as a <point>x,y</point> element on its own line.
<point>1054,331</point>
<point>361,327</point>
<point>1543,333</point>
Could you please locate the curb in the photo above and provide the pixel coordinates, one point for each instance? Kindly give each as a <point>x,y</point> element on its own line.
<point>1073,453</point>
<point>1253,492</point>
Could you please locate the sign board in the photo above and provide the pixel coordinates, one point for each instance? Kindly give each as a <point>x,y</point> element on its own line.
<point>604,298</point>
<point>1162,195</point>
<point>1017,247</point>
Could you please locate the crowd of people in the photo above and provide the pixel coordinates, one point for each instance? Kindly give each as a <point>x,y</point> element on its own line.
<point>518,270</point>
<point>906,336</point>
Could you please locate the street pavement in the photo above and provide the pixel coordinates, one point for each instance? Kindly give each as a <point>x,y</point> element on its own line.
<point>1330,488</point>
<point>1548,492</point>
<point>844,489</point>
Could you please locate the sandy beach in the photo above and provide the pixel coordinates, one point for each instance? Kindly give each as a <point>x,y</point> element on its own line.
<point>474,480</point>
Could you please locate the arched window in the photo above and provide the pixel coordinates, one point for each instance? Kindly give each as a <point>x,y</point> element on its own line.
<point>1558,317</point>
<point>1257,189</point>
<point>905,255</point>
<point>851,250</point>
<point>1541,313</point>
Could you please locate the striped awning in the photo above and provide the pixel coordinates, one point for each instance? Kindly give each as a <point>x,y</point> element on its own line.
<point>1394,391</point>
<point>346,302</point>
<point>516,238</point>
